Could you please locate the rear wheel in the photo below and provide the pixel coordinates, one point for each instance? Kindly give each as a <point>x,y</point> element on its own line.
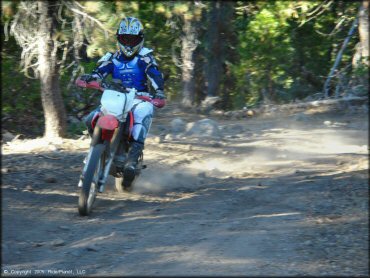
<point>119,184</point>
<point>123,185</point>
<point>90,180</point>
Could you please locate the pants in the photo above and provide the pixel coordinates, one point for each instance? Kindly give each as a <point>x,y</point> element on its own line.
<point>143,114</point>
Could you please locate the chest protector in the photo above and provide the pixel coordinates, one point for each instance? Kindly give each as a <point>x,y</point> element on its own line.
<point>130,73</point>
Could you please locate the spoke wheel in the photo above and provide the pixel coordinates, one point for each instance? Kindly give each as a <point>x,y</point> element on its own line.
<point>90,180</point>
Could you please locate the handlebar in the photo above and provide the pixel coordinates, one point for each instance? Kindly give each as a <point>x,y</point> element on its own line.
<point>98,86</point>
<point>157,102</point>
<point>92,84</point>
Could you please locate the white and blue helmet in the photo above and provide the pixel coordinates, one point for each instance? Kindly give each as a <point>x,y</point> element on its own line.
<point>130,36</point>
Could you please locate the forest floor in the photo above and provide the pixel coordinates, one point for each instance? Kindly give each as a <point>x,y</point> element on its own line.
<point>285,194</point>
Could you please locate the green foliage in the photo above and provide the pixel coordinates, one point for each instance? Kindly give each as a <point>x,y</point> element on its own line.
<point>287,50</point>
<point>76,129</point>
<point>266,52</point>
<point>19,94</point>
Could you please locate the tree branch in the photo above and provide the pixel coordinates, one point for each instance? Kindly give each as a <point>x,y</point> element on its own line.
<point>339,57</point>
<point>92,19</point>
<point>335,30</point>
<point>319,12</point>
<point>318,8</point>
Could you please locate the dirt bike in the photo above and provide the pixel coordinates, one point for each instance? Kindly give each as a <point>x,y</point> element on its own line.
<point>110,141</point>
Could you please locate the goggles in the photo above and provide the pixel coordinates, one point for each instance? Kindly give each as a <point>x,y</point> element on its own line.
<point>129,40</point>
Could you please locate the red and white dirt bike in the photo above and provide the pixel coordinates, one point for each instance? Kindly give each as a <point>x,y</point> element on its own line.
<point>112,133</point>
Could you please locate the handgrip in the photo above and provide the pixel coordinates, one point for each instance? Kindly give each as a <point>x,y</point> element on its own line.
<point>159,103</point>
<point>91,84</point>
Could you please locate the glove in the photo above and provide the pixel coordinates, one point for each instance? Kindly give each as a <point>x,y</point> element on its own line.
<point>158,102</point>
<point>87,78</point>
<point>90,77</point>
<point>159,94</point>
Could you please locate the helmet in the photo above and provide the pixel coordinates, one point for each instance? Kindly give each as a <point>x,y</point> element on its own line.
<point>130,36</point>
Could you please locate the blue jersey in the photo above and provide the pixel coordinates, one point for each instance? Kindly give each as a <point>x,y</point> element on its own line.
<point>133,72</point>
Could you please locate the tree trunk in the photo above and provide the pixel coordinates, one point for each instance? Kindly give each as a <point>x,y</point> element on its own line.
<point>362,48</point>
<point>230,54</point>
<point>269,96</point>
<point>199,61</point>
<point>215,47</point>
<point>221,52</point>
<point>52,102</point>
<point>189,44</point>
<point>228,87</point>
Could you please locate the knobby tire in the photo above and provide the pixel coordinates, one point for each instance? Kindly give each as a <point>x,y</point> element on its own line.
<point>83,207</point>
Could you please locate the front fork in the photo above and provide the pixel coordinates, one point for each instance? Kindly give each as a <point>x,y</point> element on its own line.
<point>108,154</point>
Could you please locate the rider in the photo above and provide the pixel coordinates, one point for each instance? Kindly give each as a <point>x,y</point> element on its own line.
<point>133,65</point>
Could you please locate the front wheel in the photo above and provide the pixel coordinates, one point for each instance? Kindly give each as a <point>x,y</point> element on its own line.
<point>90,180</point>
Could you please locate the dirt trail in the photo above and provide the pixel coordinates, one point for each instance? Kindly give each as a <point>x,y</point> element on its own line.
<point>284,195</point>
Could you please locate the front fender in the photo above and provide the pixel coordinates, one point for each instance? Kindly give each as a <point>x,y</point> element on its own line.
<point>108,122</point>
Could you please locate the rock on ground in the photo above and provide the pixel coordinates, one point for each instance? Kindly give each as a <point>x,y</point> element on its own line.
<point>203,128</point>
<point>178,125</point>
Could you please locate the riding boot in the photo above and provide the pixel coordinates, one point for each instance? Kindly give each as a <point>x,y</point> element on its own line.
<point>90,131</point>
<point>134,153</point>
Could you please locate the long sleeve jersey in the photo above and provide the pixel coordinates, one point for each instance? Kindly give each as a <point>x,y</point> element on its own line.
<point>133,72</point>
